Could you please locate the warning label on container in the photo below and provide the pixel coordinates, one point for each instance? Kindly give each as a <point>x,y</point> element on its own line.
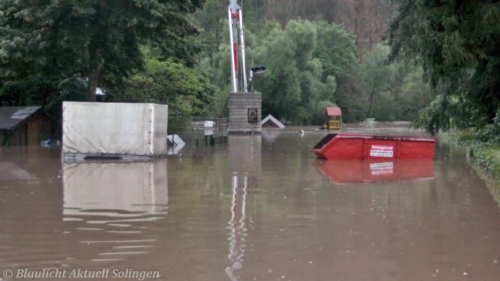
<point>382,151</point>
<point>382,168</point>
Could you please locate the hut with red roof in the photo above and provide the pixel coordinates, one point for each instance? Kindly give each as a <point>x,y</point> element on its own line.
<point>334,118</point>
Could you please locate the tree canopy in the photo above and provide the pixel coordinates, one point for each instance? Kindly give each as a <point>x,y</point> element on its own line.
<point>457,43</point>
<point>312,65</point>
<point>97,41</point>
<point>177,52</point>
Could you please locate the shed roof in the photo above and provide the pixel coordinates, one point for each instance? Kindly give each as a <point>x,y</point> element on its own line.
<point>274,120</point>
<point>175,140</point>
<point>333,111</point>
<point>13,116</point>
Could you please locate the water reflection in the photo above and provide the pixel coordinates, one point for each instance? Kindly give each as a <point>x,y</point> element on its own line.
<point>237,229</point>
<point>245,160</point>
<point>115,198</point>
<point>270,136</point>
<point>245,154</point>
<point>12,172</point>
<point>355,171</point>
<point>290,222</point>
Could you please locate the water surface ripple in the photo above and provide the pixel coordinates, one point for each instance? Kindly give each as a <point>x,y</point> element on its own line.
<point>255,208</point>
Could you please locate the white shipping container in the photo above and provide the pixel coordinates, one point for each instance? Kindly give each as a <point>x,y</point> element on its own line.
<point>125,129</point>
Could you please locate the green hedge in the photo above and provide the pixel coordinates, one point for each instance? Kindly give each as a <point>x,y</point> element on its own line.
<point>484,157</point>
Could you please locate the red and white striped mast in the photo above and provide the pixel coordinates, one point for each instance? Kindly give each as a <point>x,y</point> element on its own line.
<point>235,19</point>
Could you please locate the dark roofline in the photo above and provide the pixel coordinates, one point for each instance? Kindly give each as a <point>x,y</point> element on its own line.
<point>27,119</point>
<point>23,121</point>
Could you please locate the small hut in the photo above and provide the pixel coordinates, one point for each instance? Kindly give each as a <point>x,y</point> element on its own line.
<point>25,125</point>
<point>333,117</point>
<point>271,122</point>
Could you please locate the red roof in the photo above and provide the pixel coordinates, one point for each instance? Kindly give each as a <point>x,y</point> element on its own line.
<point>333,111</point>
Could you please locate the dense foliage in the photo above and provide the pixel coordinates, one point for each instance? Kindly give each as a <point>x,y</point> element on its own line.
<point>311,64</point>
<point>457,43</point>
<point>317,53</point>
<point>64,50</point>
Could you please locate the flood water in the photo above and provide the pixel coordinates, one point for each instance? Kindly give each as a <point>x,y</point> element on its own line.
<point>254,208</point>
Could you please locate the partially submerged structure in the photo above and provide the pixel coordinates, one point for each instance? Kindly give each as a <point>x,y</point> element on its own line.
<point>125,131</point>
<point>25,125</point>
<point>334,118</point>
<point>12,172</point>
<point>271,122</point>
<point>245,108</point>
<point>245,113</point>
<point>175,144</point>
<point>175,140</point>
<point>369,147</point>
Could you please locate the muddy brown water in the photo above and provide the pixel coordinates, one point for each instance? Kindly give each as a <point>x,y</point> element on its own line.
<point>255,208</point>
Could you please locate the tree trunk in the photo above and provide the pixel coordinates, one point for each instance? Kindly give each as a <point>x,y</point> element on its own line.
<point>93,80</point>
<point>371,102</point>
<point>98,36</point>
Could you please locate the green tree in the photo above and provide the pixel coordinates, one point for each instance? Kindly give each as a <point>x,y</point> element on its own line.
<point>377,76</point>
<point>337,52</point>
<point>457,44</point>
<point>184,89</point>
<point>93,39</point>
<point>280,83</point>
<point>413,95</point>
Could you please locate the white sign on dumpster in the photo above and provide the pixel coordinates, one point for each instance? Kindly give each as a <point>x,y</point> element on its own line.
<point>382,151</point>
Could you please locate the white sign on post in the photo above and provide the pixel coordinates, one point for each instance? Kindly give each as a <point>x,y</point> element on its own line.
<point>209,124</point>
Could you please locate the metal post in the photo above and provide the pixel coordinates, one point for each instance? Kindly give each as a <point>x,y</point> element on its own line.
<point>251,81</point>
<point>243,62</point>
<point>234,82</point>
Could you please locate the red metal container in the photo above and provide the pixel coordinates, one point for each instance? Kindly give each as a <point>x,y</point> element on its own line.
<point>369,147</point>
<point>359,171</point>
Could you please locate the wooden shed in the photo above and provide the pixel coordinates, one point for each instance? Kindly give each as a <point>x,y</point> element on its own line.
<point>334,118</point>
<point>271,122</point>
<point>25,125</point>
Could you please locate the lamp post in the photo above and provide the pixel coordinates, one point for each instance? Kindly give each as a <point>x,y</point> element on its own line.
<point>256,70</point>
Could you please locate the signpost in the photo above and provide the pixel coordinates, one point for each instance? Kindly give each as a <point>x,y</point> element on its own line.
<point>253,115</point>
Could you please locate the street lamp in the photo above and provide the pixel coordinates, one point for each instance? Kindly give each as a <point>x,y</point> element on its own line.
<point>256,70</point>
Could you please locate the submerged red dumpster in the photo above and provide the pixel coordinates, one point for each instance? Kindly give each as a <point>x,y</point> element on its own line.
<point>369,147</point>
<point>359,171</point>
